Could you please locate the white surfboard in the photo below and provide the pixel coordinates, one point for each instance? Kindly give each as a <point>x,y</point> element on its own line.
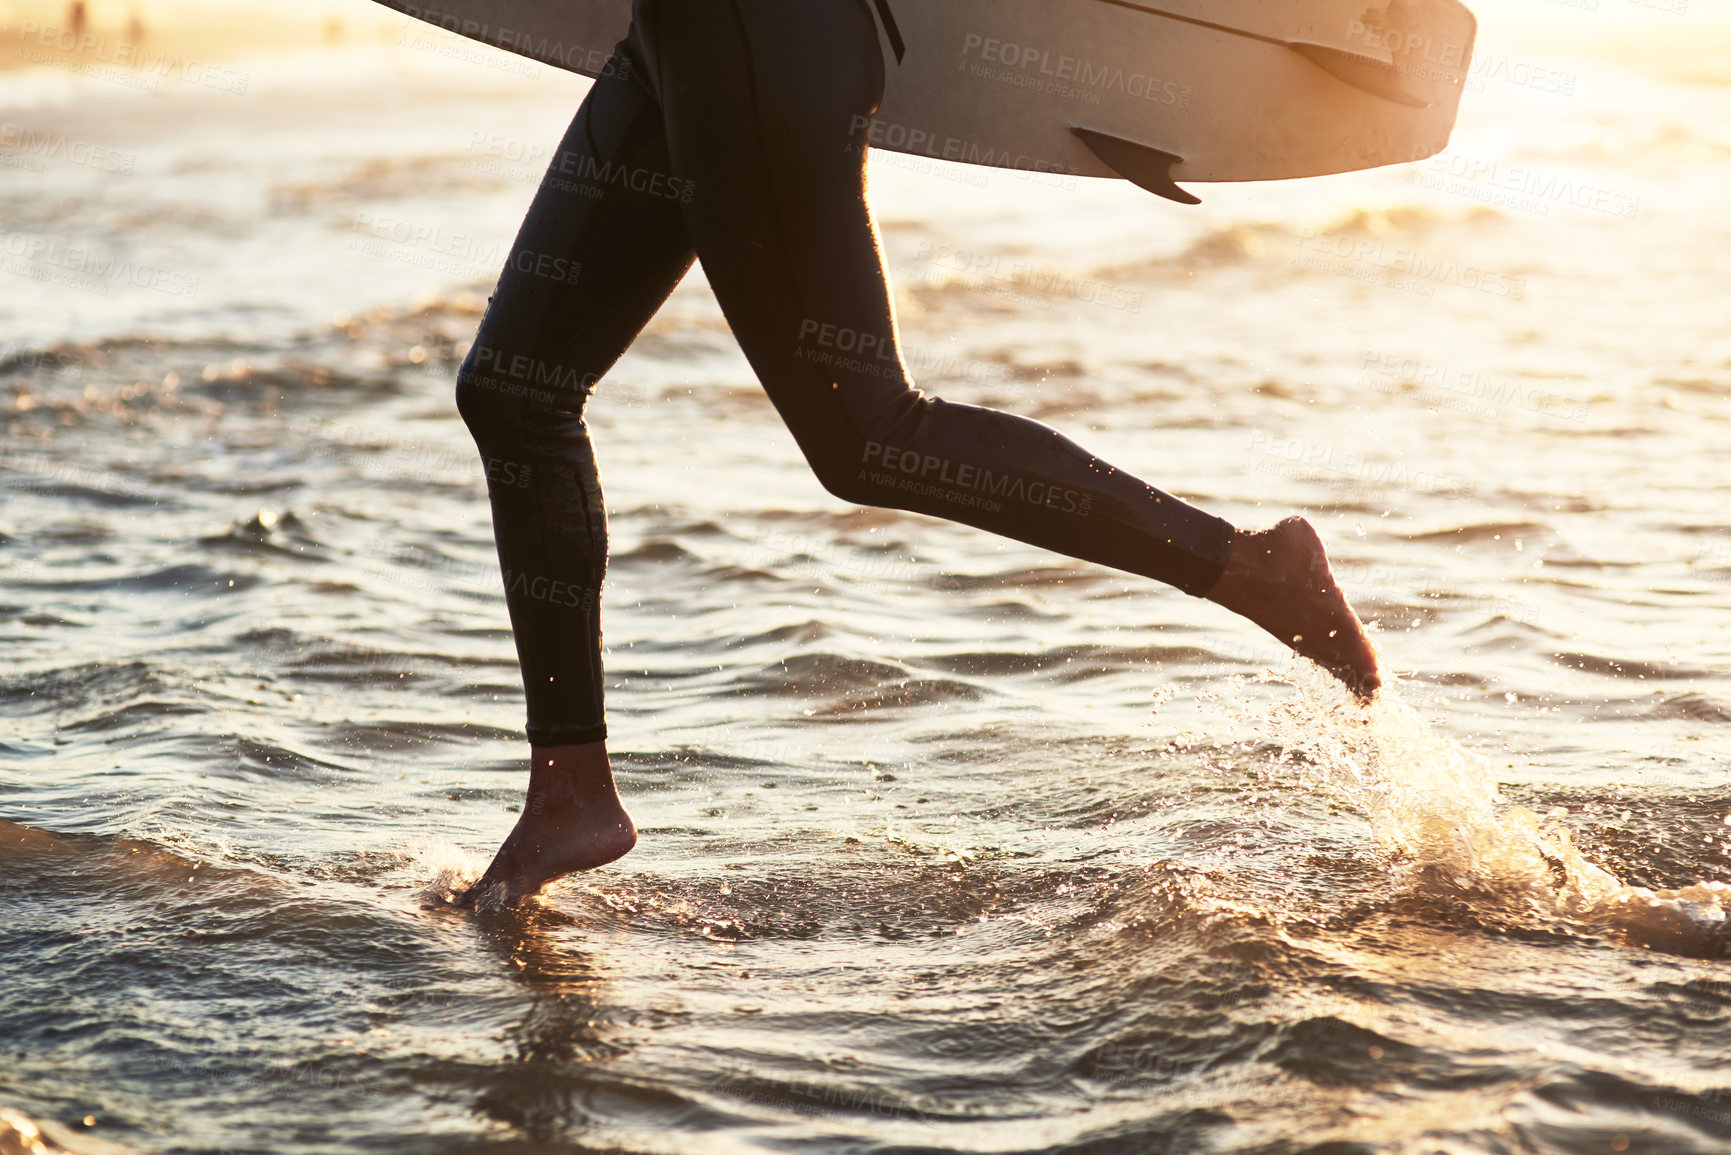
<point>1156,91</point>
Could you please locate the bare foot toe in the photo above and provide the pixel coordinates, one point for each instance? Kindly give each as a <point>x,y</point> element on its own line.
<point>1280,579</point>
<point>572,820</point>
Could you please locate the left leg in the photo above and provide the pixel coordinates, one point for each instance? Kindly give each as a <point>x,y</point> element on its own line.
<point>594,260</point>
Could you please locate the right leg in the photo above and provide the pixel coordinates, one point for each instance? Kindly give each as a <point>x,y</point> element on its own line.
<point>765,104</point>
<point>603,245</point>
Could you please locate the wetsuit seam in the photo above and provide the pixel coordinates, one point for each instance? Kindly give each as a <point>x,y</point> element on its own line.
<point>890,30</point>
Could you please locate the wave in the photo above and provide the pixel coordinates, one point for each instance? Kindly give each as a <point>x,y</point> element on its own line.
<point>1628,668</point>
<point>1436,810</point>
<point>821,675</point>
<point>1076,663</point>
<point>913,692</point>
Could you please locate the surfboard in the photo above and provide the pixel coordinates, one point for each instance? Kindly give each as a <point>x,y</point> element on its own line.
<point>1155,91</point>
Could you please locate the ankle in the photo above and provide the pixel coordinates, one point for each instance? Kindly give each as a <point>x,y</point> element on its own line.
<point>1250,569</point>
<point>588,759</point>
<point>562,774</point>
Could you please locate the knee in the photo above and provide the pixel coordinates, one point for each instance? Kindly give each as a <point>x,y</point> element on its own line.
<point>862,467</point>
<point>478,405</point>
<point>853,451</point>
<point>845,480</point>
<point>489,400</point>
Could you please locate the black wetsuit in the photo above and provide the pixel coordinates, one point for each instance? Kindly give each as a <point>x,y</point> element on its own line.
<point>731,131</point>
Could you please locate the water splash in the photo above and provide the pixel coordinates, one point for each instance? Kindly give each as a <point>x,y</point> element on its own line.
<point>1433,804</point>
<point>442,871</point>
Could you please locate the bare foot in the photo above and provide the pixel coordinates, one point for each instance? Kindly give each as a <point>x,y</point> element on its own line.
<point>572,820</point>
<point>1279,579</point>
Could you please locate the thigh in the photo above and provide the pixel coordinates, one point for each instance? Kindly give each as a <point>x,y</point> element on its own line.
<point>603,244</point>
<point>765,104</point>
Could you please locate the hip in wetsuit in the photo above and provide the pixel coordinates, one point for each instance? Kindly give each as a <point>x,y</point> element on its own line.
<point>727,130</point>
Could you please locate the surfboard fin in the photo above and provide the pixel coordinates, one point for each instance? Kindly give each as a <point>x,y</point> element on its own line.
<point>1140,164</point>
<point>890,29</point>
<point>1366,73</point>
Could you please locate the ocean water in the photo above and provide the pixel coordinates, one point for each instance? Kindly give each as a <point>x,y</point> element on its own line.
<point>947,844</point>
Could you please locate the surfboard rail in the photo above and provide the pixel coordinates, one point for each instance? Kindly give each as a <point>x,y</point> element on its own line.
<point>1153,91</point>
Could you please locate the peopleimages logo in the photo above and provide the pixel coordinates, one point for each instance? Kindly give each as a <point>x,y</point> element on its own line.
<point>877,133</point>
<point>18,139</point>
<point>1403,46</point>
<point>601,174</point>
<point>927,472</point>
<point>1084,75</point>
<point>527,370</point>
<point>548,266</point>
<point>1316,248</point>
<point>846,340</point>
<point>577,57</point>
<point>89,50</point>
<point>551,590</point>
<point>87,268</point>
<point>1538,186</point>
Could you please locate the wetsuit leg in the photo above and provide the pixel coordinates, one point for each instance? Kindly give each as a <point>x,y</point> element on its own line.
<point>603,245</point>
<point>765,104</point>
<point>736,128</point>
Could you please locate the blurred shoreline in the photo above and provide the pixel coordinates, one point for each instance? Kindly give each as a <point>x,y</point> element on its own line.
<point>84,39</point>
